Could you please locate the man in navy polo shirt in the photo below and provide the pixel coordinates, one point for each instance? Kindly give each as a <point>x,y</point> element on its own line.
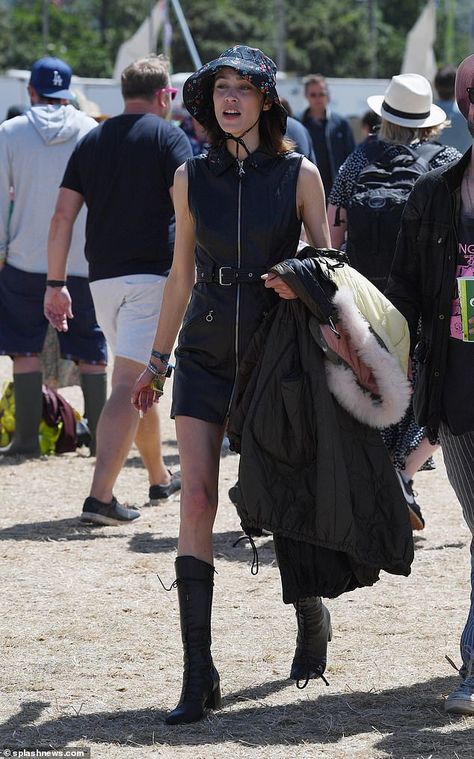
<point>124,173</point>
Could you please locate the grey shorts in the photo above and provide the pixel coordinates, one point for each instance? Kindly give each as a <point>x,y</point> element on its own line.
<point>128,309</point>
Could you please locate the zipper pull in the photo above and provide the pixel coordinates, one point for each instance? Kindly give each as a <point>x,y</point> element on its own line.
<point>241,168</point>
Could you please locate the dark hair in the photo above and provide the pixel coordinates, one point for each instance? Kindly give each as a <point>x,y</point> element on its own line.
<point>15,110</point>
<point>371,120</point>
<point>271,137</point>
<point>444,82</point>
<point>142,78</point>
<point>286,106</point>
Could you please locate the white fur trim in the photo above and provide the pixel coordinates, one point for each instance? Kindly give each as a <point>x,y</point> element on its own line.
<point>393,387</point>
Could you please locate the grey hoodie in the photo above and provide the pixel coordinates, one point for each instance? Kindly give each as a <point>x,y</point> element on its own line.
<point>34,151</point>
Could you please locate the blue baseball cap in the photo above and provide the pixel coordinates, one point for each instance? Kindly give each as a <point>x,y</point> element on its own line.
<point>51,78</point>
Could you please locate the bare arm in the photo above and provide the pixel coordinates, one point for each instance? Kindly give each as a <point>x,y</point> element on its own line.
<point>177,289</point>
<point>311,205</point>
<point>338,233</point>
<point>57,301</point>
<point>68,205</point>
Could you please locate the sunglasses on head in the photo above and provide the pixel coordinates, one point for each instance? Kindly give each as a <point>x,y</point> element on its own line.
<point>470,93</point>
<point>172,90</point>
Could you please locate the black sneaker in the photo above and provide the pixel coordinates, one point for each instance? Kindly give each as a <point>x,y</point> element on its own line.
<point>112,513</point>
<point>416,518</point>
<point>159,493</point>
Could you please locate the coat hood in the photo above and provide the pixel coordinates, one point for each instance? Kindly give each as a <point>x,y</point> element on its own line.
<point>362,374</point>
<point>56,123</point>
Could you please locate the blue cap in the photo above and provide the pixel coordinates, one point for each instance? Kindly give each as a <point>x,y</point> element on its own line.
<point>51,78</point>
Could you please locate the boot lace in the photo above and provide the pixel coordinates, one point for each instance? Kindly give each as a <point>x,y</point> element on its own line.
<point>173,585</point>
<point>255,566</point>
<point>310,670</point>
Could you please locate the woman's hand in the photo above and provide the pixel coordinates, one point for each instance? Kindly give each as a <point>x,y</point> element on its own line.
<point>143,394</point>
<point>281,288</point>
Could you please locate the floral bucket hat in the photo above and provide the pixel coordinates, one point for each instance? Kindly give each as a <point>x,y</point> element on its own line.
<point>251,64</point>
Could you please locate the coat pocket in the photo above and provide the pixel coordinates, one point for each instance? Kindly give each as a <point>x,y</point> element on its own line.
<point>287,430</point>
<point>199,323</point>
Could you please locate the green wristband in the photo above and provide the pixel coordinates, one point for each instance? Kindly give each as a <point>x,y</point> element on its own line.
<point>157,384</point>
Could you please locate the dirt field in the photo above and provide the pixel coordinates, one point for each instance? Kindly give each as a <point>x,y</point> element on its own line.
<point>91,652</point>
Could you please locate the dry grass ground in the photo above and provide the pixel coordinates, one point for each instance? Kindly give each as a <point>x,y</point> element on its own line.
<point>91,652</point>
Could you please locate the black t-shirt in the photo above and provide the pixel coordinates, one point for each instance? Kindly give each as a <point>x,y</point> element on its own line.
<point>124,170</point>
<point>458,408</point>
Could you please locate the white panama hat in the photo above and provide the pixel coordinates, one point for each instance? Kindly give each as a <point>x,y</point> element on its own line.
<point>408,101</point>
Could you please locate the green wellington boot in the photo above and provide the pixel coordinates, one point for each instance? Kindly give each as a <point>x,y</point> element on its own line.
<point>94,388</point>
<point>28,414</point>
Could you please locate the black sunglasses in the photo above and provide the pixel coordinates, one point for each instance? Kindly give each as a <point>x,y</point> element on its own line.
<point>470,93</point>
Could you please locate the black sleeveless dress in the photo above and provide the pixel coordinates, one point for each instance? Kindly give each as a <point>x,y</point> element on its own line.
<point>246,221</point>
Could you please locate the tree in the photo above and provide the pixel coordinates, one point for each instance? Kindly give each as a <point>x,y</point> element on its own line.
<point>330,37</point>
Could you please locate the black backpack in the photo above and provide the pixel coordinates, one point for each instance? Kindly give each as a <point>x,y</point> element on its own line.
<point>376,205</point>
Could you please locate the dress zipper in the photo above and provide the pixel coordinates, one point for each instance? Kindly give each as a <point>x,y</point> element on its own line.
<point>237,304</point>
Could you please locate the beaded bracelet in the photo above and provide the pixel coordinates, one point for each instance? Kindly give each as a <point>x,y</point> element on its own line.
<point>163,357</point>
<point>155,371</point>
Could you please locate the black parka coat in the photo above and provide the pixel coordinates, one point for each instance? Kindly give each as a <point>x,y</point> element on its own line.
<point>321,481</point>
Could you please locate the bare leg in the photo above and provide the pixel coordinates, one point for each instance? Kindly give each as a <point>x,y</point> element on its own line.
<point>148,442</point>
<point>86,368</point>
<point>199,449</point>
<point>199,446</point>
<point>26,364</point>
<point>417,458</point>
<point>116,429</point>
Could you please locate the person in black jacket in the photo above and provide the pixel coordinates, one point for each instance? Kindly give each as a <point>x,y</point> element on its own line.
<point>435,248</point>
<point>239,211</point>
<point>407,114</point>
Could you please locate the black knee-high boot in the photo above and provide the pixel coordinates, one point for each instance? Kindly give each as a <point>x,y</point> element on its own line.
<point>201,686</point>
<point>314,632</point>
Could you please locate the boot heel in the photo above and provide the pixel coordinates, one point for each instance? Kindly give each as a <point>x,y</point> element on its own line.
<point>214,699</point>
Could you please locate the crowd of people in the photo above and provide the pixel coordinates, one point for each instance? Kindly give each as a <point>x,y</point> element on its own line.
<point>303,278</point>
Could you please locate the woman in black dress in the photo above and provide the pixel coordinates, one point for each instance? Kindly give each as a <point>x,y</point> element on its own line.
<point>239,210</point>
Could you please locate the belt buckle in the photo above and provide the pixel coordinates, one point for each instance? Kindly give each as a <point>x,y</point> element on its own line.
<point>221,269</point>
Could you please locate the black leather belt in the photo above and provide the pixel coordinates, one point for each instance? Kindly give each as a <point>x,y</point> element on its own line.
<point>228,275</point>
